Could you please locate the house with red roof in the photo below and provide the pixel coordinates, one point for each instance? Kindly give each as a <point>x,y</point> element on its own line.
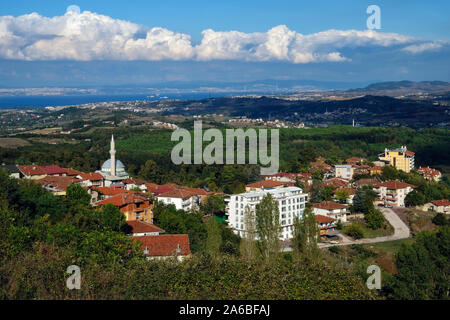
<point>393,192</point>
<point>326,225</point>
<point>54,170</point>
<point>91,179</point>
<point>33,172</point>
<point>331,209</point>
<point>182,199</point>
<point>165,246</point>
<point>306,178</point>
<point>139,228</point>
<point>132,183</point>
<point>430,174</point>
<point>57,184</point>
<point>441,206</point>
<point>135,206</point>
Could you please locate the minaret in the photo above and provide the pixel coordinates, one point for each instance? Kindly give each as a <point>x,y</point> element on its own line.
<point>112,152</point>
<point>353,122</point>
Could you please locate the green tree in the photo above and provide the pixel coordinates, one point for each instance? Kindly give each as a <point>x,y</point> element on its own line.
<point>423,268</point>
<point>306,234</point>
<point>355,231</point>
<point>214,238</point>
<point>111,218</point>
<point>248,242</point>
<point>341,195</point>
<point>268,227</point>
<point>77,194</point>
<point>414,198</point>
<point>150,172</point>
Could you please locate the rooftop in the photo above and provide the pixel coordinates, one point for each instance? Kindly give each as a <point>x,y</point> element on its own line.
<point>137,226</point>
<point>165,245</point>
<point>329,205</point>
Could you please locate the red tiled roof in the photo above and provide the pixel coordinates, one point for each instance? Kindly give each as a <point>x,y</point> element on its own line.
<point>92,176</point>
<point>133,181</point>
<point>336,182</point>
<point>31,170</point>
<point>300,175</point>
<point>354,160</point>
<point>409,153</point>
<point>123,199</point>
<point>58,182</point>
<point>110,191</point>
<point>53,169</point>
<point>429,171</point>
<point>137,226</point>
<point>323,219</point>
<point>177,193</point>
<point>165,245</point>
<point>72,172</point>
<point>268,184</point>
<point>329,205</point>
<point>350,191</point>
<point>394,184</point>
<point>441,203</point>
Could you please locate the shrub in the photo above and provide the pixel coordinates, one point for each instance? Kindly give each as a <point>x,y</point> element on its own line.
<point>355,231</point>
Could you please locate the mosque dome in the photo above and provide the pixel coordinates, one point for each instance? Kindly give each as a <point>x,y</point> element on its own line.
<point>107,164</point>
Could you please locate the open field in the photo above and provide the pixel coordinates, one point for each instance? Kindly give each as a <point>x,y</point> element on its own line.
<point>13,143</point>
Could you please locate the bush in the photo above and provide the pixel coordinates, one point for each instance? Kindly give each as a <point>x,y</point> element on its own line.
<point>440,220</point>
<point>334,249</point>
<point>355,231</point>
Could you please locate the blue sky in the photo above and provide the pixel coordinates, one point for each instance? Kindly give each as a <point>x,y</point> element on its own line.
<point>283,39</point>
<point>427,19</point>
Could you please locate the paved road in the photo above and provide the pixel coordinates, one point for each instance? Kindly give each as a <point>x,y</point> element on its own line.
<point>401,231</point>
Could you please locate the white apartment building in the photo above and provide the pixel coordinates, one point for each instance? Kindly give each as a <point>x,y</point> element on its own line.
<point>291,203</point>
<point>393,192</point>
<point>345,171</point>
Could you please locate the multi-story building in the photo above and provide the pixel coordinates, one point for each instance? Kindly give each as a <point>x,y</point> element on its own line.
<point>400,158</point>
<point>430,174</point>
<point>291,203</point>
<point>331,209</point>
<point>393,192</point>
<point>344,171</point>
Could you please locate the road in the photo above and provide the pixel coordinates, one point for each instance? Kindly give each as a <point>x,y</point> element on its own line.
<point>401,231</point>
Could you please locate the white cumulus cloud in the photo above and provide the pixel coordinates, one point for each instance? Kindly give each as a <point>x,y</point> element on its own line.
<point>89,36</point>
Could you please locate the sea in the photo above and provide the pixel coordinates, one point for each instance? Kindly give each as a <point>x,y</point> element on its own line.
<point>9,102</point>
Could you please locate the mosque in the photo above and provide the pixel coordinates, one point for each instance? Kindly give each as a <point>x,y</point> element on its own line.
<point>113,170</point>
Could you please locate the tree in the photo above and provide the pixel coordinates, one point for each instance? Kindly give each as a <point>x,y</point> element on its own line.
<point>341,195</point>
<point>423,268</point>
<point>150,172</point>
<point>355,231</point>
<point>306,234</point>
<point>248,243</point>
<point>414,198</point>
<point>374,219</point>
<point>214,238</point>
<point>111,218</point>
<point>300,184</point>
<point>76,194</point>
<point>440,220</point>
<point>214,205</point>
<point>268,227</point>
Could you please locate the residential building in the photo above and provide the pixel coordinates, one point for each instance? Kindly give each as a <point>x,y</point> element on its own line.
<point>326,225</point>
<point>92,179</point>
<point>331,209</point>
<point>344,171</point>
<point>54,170</point>
<point>336,182</point>
<point>393,192</point>
<point>182,199</point>
<point>306,178</point>
<point>441,206</point>
<point>138,228</point>
<point>267,184</point>
<point>32,172</point>
<point>135,206</point>
<point>291,203</point>
<point>400,158</point>
<point>57,184</point>
<point>375,170</point>
<point>430,174</point>
<point>132,183</point>
<point>14,172</point>
<point>165,246</point>
<point>355,161</point>
<point>351,194</point>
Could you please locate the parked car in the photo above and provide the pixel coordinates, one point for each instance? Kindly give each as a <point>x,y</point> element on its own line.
<point>388,206</point>
<point>334,242</point>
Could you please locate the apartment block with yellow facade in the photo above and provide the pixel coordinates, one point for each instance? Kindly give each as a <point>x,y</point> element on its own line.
<point>400,158</point>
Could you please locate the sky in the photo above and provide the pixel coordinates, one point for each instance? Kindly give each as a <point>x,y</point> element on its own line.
<point>139,42</point>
